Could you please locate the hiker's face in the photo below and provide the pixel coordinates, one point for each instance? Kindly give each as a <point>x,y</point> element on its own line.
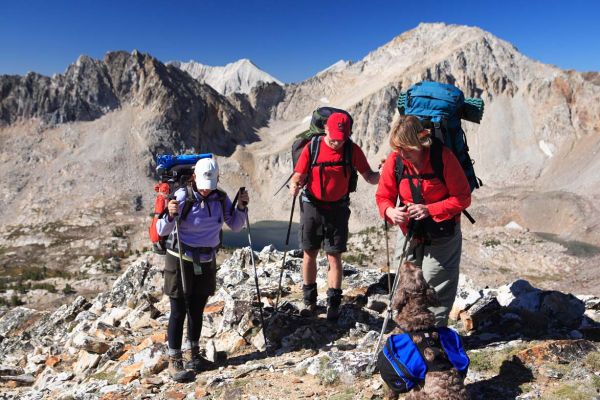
<point>413,156</point>
<point>204,192</point>
<point>334,144</point>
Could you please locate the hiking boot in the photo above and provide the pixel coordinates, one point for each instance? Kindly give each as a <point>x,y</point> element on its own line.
<point>309,292</point>
<point>308,310</point>
<point>199,363</point>
<point>334,299</point>
<point>176,370</point>
<point>333,313</point>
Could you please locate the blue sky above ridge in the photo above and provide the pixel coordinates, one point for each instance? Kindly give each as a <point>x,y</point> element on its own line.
<point>291,40</point>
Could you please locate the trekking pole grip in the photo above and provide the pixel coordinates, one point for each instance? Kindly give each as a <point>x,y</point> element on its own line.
<point>242,190</point>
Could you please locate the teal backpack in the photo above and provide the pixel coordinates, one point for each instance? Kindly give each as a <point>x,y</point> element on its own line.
<point>440,107</point>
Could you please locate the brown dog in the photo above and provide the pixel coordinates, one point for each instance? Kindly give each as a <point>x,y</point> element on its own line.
<point>411,301</point>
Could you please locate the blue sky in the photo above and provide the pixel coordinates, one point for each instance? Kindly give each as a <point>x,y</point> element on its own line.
<point>292,40</point>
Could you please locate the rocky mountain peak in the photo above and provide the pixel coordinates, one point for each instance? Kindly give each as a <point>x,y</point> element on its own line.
<point>337,66</point>
<point>91,88</point>
<point>236,77</point>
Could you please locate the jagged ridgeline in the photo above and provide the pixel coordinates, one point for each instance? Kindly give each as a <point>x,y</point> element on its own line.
<point>191,115</point>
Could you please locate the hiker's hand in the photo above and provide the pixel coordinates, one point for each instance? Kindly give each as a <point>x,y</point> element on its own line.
<point>243,200</point>
<point>294,188</point>
<point>397,215</point>
<point>173,208</point>
<point>418,211</point>
<point>380,165</point>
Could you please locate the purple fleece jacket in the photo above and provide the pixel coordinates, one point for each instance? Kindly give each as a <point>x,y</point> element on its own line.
<point>201,227</point>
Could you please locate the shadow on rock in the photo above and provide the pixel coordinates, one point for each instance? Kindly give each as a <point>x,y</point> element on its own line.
<point>505,385</point>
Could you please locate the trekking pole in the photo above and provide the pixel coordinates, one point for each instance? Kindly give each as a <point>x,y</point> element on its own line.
<point>181,268</point>
<point>388,316</point>
<point>284,183</point>
<point>387,254</point>
<point>287,242</point>
<point>260,306</point>
<point>186,298</point>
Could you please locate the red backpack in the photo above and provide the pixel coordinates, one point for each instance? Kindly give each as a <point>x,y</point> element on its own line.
<point>163,191</point>
<point>174,172</point>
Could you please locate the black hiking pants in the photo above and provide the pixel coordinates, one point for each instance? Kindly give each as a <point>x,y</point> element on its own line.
<point>199,287</point>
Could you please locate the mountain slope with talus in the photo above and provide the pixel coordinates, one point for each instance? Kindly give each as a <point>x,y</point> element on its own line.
<point>537,140</point>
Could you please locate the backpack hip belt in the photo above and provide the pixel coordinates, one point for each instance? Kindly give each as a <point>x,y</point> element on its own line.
<point>308,197</point>
<point>197,252</point>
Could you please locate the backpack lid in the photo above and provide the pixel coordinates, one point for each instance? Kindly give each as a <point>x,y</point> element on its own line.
<point>320,117</point>
<point>433,100</point>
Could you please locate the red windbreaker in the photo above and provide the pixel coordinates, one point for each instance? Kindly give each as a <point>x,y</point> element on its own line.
<point>444,201</point>
<point>336,177</point>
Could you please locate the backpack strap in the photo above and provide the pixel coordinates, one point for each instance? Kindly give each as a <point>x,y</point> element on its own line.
<point>348,155</point>
<point>435,157</point>
<point>313,153</point>
<point>190,200</point>
<point>348,159</point>
<point>223,201</point>
<point>437,163</point>
<point>313,150</point>
<point>398,169</point>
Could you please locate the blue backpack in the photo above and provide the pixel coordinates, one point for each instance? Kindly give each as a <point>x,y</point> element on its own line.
<point>441,106</point>
<point>402,365</point>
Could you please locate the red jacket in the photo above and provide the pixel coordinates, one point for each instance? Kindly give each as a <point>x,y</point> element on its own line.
<point>336,179</point>
<point>444,201</point>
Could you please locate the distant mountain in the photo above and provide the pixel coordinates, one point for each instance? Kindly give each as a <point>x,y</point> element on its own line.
<point>237,77</point>
<point>535,149</point>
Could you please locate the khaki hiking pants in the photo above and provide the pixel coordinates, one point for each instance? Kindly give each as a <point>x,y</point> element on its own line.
<point>440,264</point>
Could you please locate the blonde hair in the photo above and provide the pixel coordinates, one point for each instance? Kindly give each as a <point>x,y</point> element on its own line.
<point>408,132</point>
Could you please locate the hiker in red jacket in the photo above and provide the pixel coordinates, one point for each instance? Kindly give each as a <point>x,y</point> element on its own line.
<point>324,207</point>
<point>431,205</point>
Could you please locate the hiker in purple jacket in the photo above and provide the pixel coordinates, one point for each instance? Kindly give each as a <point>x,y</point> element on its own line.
<point>200,237</point>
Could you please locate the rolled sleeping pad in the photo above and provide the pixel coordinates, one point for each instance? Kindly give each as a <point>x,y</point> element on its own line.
<point>165,162</point>
<point>401,104</point>
<point>472,110</point>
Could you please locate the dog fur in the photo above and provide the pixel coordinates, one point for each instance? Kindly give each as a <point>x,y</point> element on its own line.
<point>411,301</point>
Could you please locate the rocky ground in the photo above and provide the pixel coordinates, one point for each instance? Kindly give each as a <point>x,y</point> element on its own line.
<point>524,342</point>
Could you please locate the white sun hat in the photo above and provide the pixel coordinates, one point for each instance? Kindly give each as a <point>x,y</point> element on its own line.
<point>207,173</point>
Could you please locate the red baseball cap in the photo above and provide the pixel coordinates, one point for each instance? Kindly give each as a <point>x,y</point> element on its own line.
<point>339,126</point>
